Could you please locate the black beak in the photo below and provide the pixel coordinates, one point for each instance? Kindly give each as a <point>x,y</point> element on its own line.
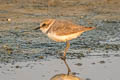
<point>37,28</point>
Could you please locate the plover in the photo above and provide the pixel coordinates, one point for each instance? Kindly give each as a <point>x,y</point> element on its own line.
<point>62,31</point>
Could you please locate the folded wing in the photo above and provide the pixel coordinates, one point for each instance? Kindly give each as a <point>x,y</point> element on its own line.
<point>66,28</point>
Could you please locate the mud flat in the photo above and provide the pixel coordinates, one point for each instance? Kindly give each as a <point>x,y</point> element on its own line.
<point>95,55</point>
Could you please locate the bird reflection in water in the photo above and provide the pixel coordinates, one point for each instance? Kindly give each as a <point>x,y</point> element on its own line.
<point>68,76</point>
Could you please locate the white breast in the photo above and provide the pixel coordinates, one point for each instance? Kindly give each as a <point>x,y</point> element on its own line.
<point>63,38</point>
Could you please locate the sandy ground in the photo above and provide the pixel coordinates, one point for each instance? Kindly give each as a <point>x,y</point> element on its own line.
<point>29,52</point>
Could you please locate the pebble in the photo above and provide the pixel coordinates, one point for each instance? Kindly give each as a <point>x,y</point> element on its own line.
<point>65,77</point>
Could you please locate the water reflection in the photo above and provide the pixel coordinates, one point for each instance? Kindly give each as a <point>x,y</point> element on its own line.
<point>68,76</point>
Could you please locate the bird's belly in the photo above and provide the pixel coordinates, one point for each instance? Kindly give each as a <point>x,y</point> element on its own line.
<point>63,38</point>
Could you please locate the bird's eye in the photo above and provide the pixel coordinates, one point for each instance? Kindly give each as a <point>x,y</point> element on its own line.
<point>43,24</point>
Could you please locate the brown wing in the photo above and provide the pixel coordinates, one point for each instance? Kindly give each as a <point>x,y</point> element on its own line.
<point>67,28</point>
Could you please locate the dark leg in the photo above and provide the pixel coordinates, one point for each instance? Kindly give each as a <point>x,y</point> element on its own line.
<point>69,70</point>
<point>67,46</point>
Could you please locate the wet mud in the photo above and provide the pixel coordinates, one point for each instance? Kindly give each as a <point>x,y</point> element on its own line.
<point>19,42</point>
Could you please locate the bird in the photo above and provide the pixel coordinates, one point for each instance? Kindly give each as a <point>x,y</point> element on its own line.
<point>62,31</point>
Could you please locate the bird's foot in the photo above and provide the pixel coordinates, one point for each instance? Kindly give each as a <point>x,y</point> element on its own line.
<point>63,58</point>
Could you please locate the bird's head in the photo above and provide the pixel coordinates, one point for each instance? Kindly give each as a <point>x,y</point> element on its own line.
<point>44,25</point>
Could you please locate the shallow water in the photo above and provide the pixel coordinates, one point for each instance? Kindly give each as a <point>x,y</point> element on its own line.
<point>92,67</point>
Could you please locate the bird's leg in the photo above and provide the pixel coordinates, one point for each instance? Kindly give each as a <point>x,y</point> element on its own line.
<point>67,46</point>
<point>64,56</point>
<point>69,70</point>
